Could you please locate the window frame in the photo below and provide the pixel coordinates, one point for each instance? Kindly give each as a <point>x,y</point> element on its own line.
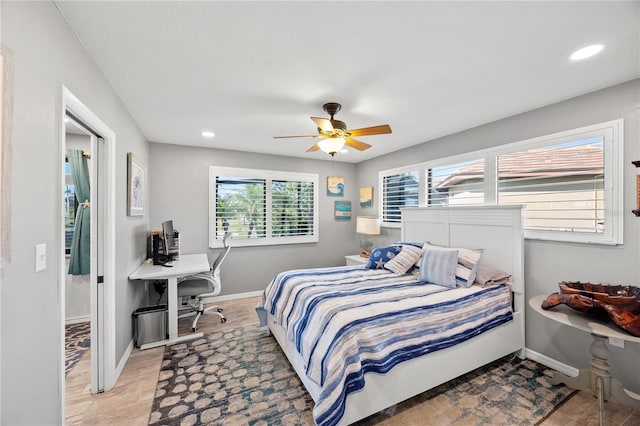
<point>268,176</point>
<point>613,134</point>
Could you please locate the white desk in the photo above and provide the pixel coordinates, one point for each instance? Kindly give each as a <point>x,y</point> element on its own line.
<point>188,264</point>
<point>596,378</point>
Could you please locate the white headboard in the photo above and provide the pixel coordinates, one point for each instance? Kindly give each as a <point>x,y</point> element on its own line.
<point>496,229</point>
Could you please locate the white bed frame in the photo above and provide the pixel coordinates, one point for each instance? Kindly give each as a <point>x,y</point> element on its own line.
<point>496,229</point>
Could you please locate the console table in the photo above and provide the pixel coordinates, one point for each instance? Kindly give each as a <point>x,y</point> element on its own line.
<point>596,378</point>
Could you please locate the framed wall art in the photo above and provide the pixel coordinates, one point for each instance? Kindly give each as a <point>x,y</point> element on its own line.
<point>135,185</point>
<point>335,186</point>
<point>342,210</point>
<point>366,197</point>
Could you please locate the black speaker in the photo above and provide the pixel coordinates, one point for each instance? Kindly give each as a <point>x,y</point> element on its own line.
<point>156,249</point>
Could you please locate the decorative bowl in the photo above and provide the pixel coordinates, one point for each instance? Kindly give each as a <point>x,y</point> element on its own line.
<point>621,303</point>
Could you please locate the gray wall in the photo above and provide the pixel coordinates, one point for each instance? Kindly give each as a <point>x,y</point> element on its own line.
<point>547,263</point>
<point>47,56</point>
<point>179,190</point>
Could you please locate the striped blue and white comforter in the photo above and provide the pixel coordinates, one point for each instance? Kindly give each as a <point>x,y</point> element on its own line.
<point>347,321</point>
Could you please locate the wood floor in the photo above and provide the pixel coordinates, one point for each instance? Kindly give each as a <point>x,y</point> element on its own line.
<point>129,403</point>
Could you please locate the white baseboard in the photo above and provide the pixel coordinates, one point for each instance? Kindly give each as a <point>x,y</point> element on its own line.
<point>77,320</point>
<point>552,363</point>
<point>235,296</point>
<point>123,361</point>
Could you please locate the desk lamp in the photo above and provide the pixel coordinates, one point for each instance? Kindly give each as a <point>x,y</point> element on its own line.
<point>367,225</point>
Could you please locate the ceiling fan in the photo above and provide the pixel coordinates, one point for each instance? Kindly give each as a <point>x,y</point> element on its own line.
<point>335,135</point>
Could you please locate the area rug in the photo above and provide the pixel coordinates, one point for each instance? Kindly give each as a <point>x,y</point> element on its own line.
<point>77,339</point>
<point>241,377</point>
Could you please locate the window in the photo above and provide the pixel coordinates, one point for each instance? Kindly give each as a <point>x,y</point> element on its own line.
<point>562,185</point>
<point>262,207</point>
<point>570,183</point>
<point>398,190</point>
<point>455,184</point>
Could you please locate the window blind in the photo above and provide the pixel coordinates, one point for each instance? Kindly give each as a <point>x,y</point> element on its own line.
<point>562,185</point>
<point>240,207</point>
<point>459,184</point>
<point>399,190</point>
<point>292,208</point>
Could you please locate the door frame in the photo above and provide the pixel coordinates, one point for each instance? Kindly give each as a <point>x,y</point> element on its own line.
<point>103,307</point>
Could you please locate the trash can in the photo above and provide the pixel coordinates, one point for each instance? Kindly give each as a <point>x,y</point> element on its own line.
<point>150,324</point>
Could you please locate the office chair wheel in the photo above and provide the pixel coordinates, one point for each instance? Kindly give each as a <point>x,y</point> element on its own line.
<point>219,309</point>
<point>194,329</point>
<point>223,320</point>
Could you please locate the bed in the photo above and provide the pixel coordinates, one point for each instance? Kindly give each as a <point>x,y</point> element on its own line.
<point>364,382</point>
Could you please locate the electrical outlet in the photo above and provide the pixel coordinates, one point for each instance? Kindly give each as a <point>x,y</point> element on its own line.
<point>616,341</point>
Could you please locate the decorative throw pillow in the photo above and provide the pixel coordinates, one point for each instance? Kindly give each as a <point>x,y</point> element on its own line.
<point>438,265</point>
<point>412,243</point>
<point>487,276</point>
<point>468,260</point>
<point>381,255</point>
<point>404,260</point>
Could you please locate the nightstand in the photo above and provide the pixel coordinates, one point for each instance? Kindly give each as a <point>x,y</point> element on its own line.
<point>355,259</point>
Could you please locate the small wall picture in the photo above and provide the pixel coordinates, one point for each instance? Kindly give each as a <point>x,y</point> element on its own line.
<point>335,186</point>
<point>343,210</point>
<point>366,197</point>
<point>135,185</point>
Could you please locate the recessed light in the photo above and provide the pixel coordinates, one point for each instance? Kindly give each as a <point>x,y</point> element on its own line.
<point>586,52</point>
<point>344,151</point>
<point>208,134</point>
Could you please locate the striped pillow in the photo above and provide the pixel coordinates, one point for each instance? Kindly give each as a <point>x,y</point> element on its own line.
<point>404,260</point>
<point>439,266</point>
<point>467,267</point>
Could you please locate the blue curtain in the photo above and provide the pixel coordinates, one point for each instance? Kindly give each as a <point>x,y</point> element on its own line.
<point>80,261</point>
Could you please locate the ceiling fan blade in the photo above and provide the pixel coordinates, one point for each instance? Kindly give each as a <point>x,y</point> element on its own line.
<point>313,148</point>
<point>302,136</point>
<point>368,131</point>
<point>323,123</point>
<point>360,146</point>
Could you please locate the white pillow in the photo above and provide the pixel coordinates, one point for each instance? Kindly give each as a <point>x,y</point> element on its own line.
<point>404,260</point>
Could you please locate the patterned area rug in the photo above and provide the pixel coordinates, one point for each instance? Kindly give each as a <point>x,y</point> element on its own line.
<point>77,340</point>
<point>241,377</point>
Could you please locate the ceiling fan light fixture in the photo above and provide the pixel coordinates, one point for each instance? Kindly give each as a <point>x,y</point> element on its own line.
<point>331,145</point>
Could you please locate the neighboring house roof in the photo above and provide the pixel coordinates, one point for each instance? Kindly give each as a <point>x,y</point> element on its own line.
<point>540,162</point>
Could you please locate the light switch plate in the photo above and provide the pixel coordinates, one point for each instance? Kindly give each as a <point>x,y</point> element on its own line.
<point>41,257</point>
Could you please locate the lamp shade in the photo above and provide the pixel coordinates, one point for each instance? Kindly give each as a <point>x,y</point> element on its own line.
<point>331,145</point>
<point>368,225</point>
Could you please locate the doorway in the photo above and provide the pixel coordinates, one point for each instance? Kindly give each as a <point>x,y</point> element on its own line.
<point>99,140</point>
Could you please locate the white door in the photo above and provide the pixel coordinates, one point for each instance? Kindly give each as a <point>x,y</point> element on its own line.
<point>103,143</point>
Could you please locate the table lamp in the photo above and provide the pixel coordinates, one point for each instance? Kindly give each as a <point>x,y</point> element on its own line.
<point>367,225</point>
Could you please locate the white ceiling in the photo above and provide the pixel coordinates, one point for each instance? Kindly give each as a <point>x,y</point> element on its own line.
<point>253,70</point>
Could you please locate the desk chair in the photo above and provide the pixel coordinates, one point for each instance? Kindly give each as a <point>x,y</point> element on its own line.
<point>194,289</point>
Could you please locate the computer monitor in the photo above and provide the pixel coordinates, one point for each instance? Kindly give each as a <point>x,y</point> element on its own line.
<point>168,237</point>
<point>171,241</point>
